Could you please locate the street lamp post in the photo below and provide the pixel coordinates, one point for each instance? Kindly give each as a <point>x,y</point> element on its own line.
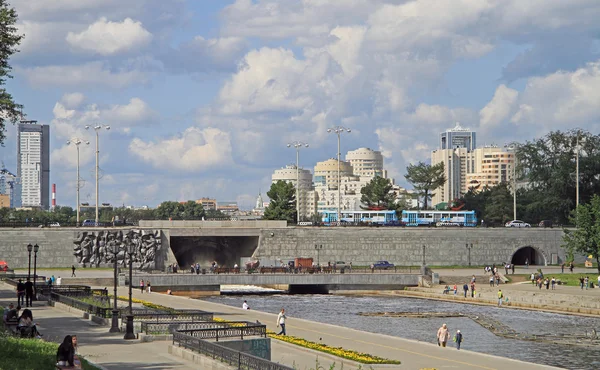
<point>97,128</point>
<point>114,250</point>
<point>77,142</point>
<point>578,149</point>
<point>129,334</point>
<point>36,248</point>
<point>298,145</point>
<point>514,178</point>
<point>469,247</point>
<point>29,249</point>
<point>338,130</point>
<point>318,248</point>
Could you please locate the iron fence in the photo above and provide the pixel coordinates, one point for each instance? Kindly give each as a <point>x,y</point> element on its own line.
<point>156,316</point>
<point>97,310</point>
<point>207,330</point>
<point>229,356</point>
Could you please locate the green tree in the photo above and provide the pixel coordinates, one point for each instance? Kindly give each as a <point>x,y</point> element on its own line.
<point>283,202</point>
<point>10,39</point>
<point>586,237</point>
<point>193,211</point>
<point>378,193</point>
<point>548,164</point>
<point>425,179</point>
<point>215,214</point>
<point>169,210</point>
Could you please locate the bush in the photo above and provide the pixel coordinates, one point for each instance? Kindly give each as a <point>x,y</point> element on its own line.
<point>30,354</point>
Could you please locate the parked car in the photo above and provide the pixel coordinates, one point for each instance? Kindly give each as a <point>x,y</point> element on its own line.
<point>517,223</point>
<point>53,224</point>
<point>546,223</point>
<point>3,266</point>
<point>383,265</point>
<point>89,223</point>
<point>340,264</point>
<point>122,223</point>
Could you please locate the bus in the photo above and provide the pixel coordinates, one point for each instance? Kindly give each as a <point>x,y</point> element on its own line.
<point>384,217</point>
<point>439,218</point>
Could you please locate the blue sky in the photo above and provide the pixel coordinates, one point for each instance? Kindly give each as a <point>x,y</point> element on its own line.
<point>203,96</point>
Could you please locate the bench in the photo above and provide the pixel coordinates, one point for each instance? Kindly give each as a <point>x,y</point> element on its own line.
<point>226,270</point>
<point>76,362</point>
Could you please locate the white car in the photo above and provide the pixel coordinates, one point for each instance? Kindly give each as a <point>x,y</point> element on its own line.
<point>54,224</point>
<point>517,223</point>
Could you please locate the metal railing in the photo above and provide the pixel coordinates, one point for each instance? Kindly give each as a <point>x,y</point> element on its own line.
<point>207,330</point>
<point>97,310</point>
<point>157,316</point>
<point>227,355</point>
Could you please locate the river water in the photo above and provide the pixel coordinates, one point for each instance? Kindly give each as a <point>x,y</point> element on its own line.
<point>343,311</point>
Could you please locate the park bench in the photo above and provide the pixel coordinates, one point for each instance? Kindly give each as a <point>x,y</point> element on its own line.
<point>226,270</point>
<point>274,270</point>
<point>76,362</point>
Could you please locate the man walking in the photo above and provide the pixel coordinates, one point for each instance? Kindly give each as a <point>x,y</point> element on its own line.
<point>466,287</point>
<point>73,271</point>
<point>20,293</point>
<point>29,293</point>
<point>500,296</point>
<point>458,338</point>
<point>281,322</point>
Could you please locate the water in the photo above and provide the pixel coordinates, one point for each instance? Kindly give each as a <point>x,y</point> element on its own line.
<point>343,311</point>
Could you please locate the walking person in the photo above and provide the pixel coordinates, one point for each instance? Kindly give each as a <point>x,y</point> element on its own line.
<point>587,282</point>
<point>20,293</point>
<point>458,338</point>
<point>466,287</point>
<point>281,322</point>
<point>442,335</point>
<point>142,286</point>
<point>571,266</point>
<point>73,271</point>
<point>149,286</point>
<point>553,282</point>
<point>526,263</point>
<point>455,289</point>
<point>512,267</point>
<point>500,296</point>
<point>562,268</point>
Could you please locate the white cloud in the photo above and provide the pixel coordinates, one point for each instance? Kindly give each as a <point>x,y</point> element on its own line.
<point>499,108</point>
<point>194,150</point>
<point>72,100</point>
<point>109,38</point>
<point>202,55</point>
<point>93,74</point>
<point>136,111</point>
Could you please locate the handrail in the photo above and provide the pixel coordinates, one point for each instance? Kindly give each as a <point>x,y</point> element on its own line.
<point>224,354</point>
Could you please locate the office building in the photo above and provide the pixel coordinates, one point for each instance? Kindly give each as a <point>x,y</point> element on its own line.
<point>33,164</point>
<point>366,162</point>
<point>208,203</point>
<point>10,185</point>
<point>458,137</point>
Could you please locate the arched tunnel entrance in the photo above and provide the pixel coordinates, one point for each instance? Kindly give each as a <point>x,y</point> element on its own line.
<point>225,250</point>
<point>528,255</point>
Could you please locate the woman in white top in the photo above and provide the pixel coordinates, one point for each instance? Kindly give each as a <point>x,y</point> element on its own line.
<point>245,306</point>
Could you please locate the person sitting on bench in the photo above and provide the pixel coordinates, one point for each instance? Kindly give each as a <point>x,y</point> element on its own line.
<point>65,356</point>
<point>12,315</point>
<point>26,326</point>
<point>446,289</point>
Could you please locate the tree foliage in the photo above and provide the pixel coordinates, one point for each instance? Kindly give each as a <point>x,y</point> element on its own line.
<point>378,193</point>
<point>189,210</point>
<point>492,204</point>
<point>586,237</point>
<point>425,179</point>
<point>283,202</point>
<point>548,164</point>
<point>9,41</point>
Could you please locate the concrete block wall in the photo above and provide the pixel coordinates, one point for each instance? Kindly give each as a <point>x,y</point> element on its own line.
<point>56,247</point>
<point>404,246</point>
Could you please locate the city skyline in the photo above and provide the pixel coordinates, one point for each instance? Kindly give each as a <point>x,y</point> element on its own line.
<point>202,100</point>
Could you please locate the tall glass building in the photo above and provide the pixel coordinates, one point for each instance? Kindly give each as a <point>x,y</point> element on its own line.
<point>33,164</point>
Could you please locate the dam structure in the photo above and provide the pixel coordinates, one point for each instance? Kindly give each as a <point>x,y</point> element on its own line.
<point>232,242</point>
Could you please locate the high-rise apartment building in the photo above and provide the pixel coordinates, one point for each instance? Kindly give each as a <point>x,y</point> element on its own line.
<point>326,172</point>
<point>468,167</point>
<point>306,193</point>
<point>366,162</point>
<point>33,164</point>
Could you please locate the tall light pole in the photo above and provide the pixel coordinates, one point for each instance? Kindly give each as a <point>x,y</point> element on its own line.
<point>512,148</point>
<point>298,145</point>
<point>578,149</point>
<point>97,128</point>
<point>77,142</point>
<point>36,248</point>
<point>338,130</point>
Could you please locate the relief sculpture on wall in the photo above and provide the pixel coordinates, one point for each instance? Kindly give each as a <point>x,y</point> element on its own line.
<point>95,248</point>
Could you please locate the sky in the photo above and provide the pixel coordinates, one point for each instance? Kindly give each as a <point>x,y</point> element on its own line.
<point>203,96</point>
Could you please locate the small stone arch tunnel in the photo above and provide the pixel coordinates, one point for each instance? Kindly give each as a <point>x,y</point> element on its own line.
<point>529,254</point>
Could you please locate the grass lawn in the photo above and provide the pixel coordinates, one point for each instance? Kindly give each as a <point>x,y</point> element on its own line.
<point>566,278</point>
<point>29,354</point>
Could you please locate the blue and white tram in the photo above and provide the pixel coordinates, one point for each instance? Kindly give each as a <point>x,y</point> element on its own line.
<point>355,217</point>
<point>439,218</point>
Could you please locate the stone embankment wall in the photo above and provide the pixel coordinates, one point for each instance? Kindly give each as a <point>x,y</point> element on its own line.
<point>404,246</point>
